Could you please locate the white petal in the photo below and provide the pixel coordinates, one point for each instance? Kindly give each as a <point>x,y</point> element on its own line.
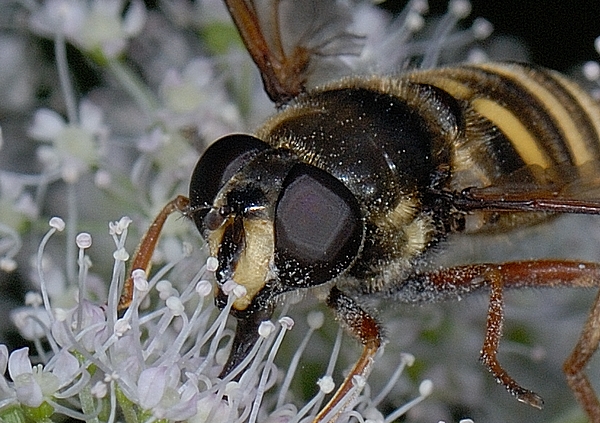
<point>210,406</point>
<point>66,16</point>
<point>27,320</point>
<point>128,368</point>
<point>61,332</point>
<point>27,205</point>
<point>47,124</point>
<point>3,358</point>
<point>48,156</point>
<point>11,186</point>
<point>151,386</point>
<point>173,376</point>
<point>107,8</point>
<point>19,363</point>
<point>93,315</point>
<point>199,71</point>
<point>72,17</point>
<point>65,366</point>
<point>28,391</point>
<point>91,116</point>
<point>186,408</point>
<point>135,18</point>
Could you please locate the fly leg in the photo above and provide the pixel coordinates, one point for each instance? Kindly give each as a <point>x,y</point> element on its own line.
<point>575,365</point>
<point>461,280</point>
<point>143,254</point>
<point>493,333</point>
<point>362,326</point>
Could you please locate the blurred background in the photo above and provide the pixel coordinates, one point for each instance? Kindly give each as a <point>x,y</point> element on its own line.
<point>559,35</point>
<point>541,327</point>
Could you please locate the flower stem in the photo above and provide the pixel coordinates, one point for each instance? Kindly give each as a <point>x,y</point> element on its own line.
<point>60,50</point>
<point>72,223</point>
<point>87,403</point>
<point>127,407</point>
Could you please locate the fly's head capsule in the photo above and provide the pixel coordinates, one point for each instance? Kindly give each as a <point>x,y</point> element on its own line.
<point>274,223</point>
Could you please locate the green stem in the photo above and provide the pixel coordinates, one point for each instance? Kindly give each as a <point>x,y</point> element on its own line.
<point>87,404</point>
<point>127,407</point>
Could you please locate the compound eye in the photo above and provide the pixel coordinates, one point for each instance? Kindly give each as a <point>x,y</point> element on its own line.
<point>218,164</point>
<point>318,226</point>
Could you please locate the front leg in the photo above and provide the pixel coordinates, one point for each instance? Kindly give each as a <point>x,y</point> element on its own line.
<point>146,247</point>
<point>362,326</point>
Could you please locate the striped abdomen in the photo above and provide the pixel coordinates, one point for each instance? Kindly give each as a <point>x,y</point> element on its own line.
<point>544,118</point>
<point>524,127</point>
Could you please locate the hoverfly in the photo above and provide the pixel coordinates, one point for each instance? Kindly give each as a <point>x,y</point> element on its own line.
<point>352,184</point>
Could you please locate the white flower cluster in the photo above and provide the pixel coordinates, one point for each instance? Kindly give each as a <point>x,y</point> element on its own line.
<point>170,80</point>
<point>154,364</point>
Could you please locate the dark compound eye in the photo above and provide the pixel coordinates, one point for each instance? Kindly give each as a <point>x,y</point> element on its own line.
<point>218,164</point>
<point>318,226</point>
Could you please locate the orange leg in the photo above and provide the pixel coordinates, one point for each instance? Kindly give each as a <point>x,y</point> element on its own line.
<point>461,280</point>
<point>495,318</point>
<point>143,254</point>
<point>364,327</point>
<point>575,365</point>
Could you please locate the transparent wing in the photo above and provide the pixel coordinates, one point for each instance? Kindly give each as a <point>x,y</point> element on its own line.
<point>314,30</point>
<point>561,189</point>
